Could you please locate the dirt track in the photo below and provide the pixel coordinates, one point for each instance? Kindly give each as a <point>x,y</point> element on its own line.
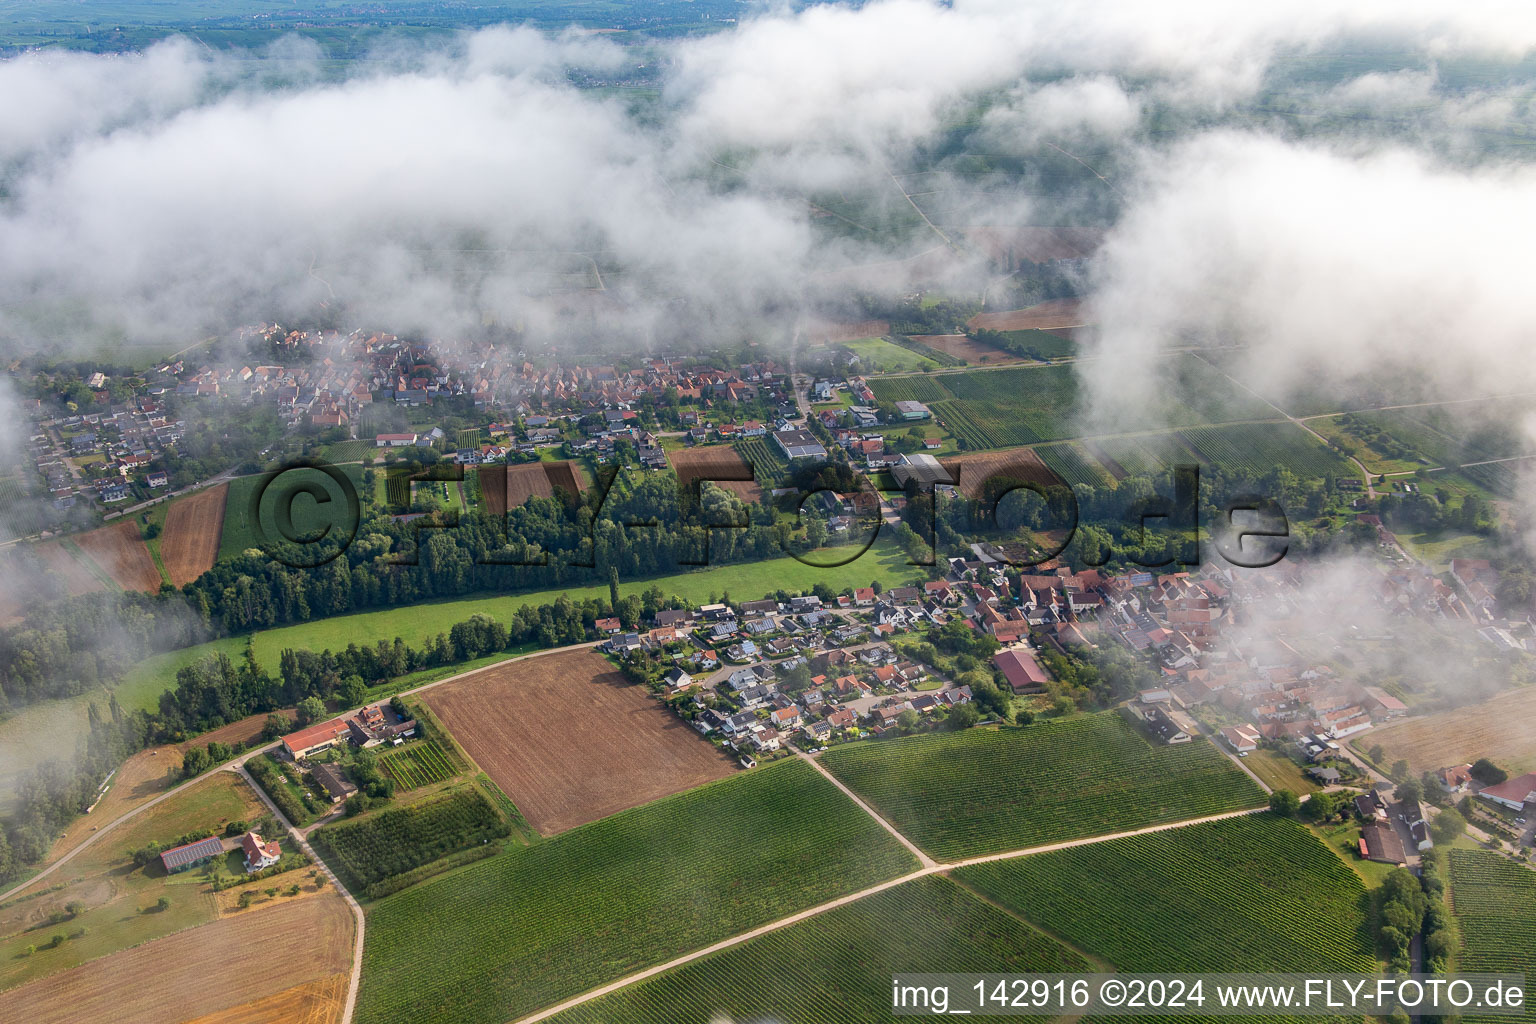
<point>571,740</point>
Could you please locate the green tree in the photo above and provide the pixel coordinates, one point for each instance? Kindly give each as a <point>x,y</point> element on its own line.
<point>1284,803</point>
<point>963,716</point>
<point>1488,773</point>
<point>1447,826</point>
<point>311,709</point>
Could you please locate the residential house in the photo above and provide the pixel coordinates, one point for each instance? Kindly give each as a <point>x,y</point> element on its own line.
<point>259,854</point>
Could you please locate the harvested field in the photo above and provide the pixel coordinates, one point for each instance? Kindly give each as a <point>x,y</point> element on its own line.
<point>823,334</point>
<point>68,572</point>
<point>200,971</point>
<point>721,464</point>
<point>505,487</point>
<point>1008,247</point>
<point>1497,729</point>
<point>972,470</point>
<point>190,541</point>
<point>120,551</point>
<point>314,1002</point>
<point>961,347</point>
<point>1053,315</point>
<point>141,778</point>
<point>247,730</point>
<point>571,740</point>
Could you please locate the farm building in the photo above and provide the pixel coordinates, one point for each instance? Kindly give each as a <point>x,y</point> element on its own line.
<point>912,410</point>
<point>336,785</point>
<point>190,855</point>
<point>799,444</point>
<point>315,738</point>
<point>1379,842</point>
<point>258,854</point>
<point>394,440</point>
<point>925,469</point>
<point>1023,672</point>
<point>1514,794</point>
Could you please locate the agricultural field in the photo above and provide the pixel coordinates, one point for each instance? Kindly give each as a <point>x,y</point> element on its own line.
<point>536,924</point>
<point>1052,315</point>
<point>400,839</point>
<point>963,347</point>
<point>909,389</point>
<point>1039,784</point>
<point>120,552</point>
<point>538,479</point>
<point>570,739</point>
<point>1257,448</point>
<point>418,763</point>
<point>1256,893</point>
<point>309,516</point>
<point>1377,450</point>
<point>765,458</point>
<point>22,512</point>
<point>830,333</point>
<point>1140,455</point>
<point>876,355</point>
<point>351,451</point>
<point>1073,464</point>
<point>1034,243</point>
<point>69,571</point>
<point>112,893</point>
<point>1044,344</point>
<point>201,971</point>
<point>189,541</point>
<point>721,464</point>
<point>321,1001</point>
<point>835,967</point>
<point>1494,902</point>
<point>972,471</point>
<point>137,780</point>
<point>1496,729</point>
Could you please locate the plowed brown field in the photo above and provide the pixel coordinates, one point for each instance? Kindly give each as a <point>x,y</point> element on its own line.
<point>973,470</point>
<point>571,740</point>
<point>1047,316</point>
<point>1011,246</point>
<point>120,551</point>
<point>721,464</point>
<point>505,487</point>
<point>962,347</point>
<point>190,541</point>
<point>216,967</point>
<point>315,1002</point>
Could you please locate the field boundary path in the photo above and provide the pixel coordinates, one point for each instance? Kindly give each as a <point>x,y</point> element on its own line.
<point>922,858</point>
<point>355,981</point>
<point>932,868</point>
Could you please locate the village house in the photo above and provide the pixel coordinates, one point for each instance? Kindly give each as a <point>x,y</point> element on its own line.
<point>259,854</point>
